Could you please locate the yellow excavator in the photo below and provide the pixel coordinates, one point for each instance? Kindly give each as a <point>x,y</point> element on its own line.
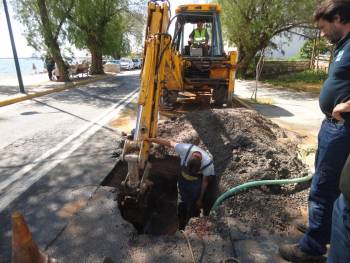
<point>174,68</point>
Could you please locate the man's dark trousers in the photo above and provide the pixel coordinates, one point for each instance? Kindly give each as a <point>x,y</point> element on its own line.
<point>340,241</point>
<point>332,152</point>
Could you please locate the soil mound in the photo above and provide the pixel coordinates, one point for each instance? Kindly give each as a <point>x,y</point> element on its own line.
<point>246,147</point>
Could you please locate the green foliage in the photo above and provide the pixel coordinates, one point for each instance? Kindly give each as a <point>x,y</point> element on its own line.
<point>28,14</point>
<point>251,24</point>
<point>321,47</point>
<point>307,76</point>
<point>102,26</point>
<point>308,80</point>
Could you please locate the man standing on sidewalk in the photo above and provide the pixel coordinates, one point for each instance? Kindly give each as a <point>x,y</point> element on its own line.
<point>333,18</point>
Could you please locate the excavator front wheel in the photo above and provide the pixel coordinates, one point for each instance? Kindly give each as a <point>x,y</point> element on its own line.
<point>220,96</point>
<point>169,97</point>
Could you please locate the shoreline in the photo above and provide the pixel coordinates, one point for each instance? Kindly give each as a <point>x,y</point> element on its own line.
<point>28,80</point>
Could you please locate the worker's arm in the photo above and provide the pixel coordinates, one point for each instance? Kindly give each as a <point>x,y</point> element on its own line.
<point>340,108</point>
<point>191,38</point>
<point>161,142</point>
<point>205,183</point>
<point>206,37</point>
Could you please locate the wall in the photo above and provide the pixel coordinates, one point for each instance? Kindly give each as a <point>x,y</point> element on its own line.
<point>271,68</point>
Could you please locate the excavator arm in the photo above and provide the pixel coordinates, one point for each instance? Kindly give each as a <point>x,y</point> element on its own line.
<point>158,62</point>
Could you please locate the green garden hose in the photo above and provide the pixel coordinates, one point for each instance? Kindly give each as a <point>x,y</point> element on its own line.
<point>248,185</point>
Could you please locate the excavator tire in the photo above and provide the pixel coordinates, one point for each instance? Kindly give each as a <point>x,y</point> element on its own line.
<point>220,96</point>
<point>168,98</point>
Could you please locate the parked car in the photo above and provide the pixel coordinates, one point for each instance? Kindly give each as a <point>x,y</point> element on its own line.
<point>112,66</point>
<point>137,62</point>
<point>126,63</point>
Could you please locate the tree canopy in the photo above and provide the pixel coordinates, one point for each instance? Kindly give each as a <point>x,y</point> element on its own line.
<point>251,24</point>
<point>101,26</point>
<point>315,47</point>
<point>44,21</point>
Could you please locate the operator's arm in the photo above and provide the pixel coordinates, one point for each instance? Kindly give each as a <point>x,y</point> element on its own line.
<point>162,142</point>
<point>191,37</point>
<point>339,109</point>
<point>206,37</point>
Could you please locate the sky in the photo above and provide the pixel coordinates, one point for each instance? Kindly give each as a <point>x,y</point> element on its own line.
<point>21,43</point>
<point>23,50</point>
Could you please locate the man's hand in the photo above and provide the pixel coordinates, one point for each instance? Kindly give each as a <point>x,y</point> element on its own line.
<point>160,141</point>
<point>340,108</point>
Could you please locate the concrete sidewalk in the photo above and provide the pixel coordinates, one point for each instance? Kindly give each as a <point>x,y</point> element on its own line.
<point>293,110</point>
<point>36,86</point>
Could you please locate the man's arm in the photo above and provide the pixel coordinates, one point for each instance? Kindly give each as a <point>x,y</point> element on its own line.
<point>204,187</point>
<point>191,37</point>
<point>340,108</point>
<point>206,37</point>
<point>164,142</point>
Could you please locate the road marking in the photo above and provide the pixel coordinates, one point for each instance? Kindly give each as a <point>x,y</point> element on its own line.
<point>15,186</point>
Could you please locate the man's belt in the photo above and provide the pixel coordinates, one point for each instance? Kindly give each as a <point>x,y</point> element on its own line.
<point>333,120</point>
<point>189,177</point>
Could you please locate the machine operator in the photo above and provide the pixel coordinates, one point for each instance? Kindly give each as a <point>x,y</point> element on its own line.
<point>199,36</point>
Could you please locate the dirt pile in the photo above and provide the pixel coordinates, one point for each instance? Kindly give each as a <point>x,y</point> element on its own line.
<point>246,147</point>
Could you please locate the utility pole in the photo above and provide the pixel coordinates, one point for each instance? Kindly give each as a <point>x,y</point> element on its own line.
<point>18,69</point>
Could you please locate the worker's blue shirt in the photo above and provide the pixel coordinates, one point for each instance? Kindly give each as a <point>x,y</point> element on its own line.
<point>336,89</point>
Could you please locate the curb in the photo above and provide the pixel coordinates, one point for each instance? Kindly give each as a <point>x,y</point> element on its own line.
<point>243,103</point>
<point>23,97</point>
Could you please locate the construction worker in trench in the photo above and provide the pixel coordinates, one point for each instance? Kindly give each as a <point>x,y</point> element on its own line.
<point>196,182</point>
<point>199,38</point>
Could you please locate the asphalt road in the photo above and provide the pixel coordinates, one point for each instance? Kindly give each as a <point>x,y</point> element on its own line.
<point>55,151</point>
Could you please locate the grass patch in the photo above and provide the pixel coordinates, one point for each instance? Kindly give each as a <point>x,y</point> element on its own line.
<point>308,80</point>
<point>262,101</point>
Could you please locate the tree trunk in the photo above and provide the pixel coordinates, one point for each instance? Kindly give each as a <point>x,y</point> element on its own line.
<point>243,66</point>
<point>51,42</point>
<point>96,62</point>
<point>246,58</point>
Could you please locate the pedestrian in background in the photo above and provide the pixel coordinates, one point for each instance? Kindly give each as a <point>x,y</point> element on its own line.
<point>333,19</point>
<point>49,65</point>
<point>34,69</point>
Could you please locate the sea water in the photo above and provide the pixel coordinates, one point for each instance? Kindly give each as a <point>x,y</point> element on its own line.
<point>7,66</point>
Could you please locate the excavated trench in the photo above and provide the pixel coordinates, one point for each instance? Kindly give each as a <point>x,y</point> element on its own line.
<point>156,214</point>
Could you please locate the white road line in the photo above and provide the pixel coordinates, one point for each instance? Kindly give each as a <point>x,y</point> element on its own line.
<point>18,182</point>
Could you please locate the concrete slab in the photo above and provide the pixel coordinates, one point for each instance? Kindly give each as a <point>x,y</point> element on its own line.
<point>251,251</point>
<point>96,233</point>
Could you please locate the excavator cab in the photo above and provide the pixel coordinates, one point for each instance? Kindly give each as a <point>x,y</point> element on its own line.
<point>208,72</point>
<point>186,24</point>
